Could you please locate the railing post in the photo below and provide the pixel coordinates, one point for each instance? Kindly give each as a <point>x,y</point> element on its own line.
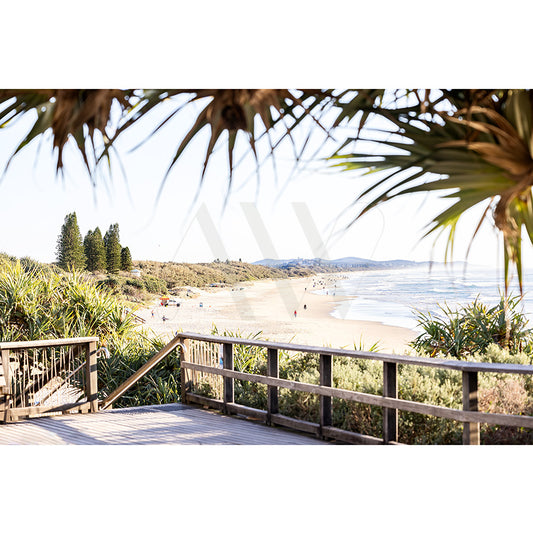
<point>390,389</point>
<point>184,373</point>
<point>326,379</point>
<point>91,376</point>
<point>471,433</point>
<point>272,391</point>
<point>227,363</point>
<point>4,398</point>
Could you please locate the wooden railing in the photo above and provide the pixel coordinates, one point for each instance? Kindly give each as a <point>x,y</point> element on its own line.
<point>33,373</point>
<point>48,376</point>
<point>389,401</point>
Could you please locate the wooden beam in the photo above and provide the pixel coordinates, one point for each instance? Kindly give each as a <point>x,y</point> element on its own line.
<point>184,378</point>
<point>146,368</point>
<point>326,379</point>
<point>376,400</point>
<point>272,391</point>
<point>390,390</point>
<point>227,362</point>
<point>457,365</point>
<point>91,375</point>
<point>471,431</point>
<point>6,389</point>
<point>39,343</point>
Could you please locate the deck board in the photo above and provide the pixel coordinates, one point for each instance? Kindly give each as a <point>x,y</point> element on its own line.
<point>170,424</point>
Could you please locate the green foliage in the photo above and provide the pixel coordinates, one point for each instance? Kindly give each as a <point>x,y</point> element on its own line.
<point>37,304</point>
<point>69,250</point>
<point>162,385</point>
<point>472,147</point>
<point>113,249</point>
<point>125,259</point>
<point>473,328</point>
<point>154,285</point>
<point>95,251</point>
<point>498,393</point>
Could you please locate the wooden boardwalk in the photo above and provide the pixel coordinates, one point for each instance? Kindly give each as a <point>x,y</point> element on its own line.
<point>169,424</point>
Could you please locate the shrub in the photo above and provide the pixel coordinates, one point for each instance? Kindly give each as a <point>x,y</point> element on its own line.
<point>473,328</point>
<point>154,285</point>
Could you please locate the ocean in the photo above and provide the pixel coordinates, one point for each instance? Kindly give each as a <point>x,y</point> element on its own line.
<point>392,297</point>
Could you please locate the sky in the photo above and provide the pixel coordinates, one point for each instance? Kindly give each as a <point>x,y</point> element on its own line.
<point>280,214</point>
<point>163,51</point>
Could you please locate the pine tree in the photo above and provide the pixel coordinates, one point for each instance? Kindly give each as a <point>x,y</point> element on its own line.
<point>95,251</point>
<point>113,248</point>
<point>125,259</point>
<point>87,247</point>
<point>69,250</point>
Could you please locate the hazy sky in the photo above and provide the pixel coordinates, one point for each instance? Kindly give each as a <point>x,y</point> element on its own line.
<point>35,202</point>
<point>162,51</point>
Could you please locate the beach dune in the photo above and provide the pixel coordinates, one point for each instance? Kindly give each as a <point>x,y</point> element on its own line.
<point>268,306</point>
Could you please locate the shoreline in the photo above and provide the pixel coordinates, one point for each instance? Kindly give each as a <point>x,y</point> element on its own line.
<point>268,306</point>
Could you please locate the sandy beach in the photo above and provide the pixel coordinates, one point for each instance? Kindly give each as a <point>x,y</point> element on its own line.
<point>268,306</point>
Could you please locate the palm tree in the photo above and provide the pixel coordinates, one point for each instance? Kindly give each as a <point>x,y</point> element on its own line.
<point>472,146</point>
<point>94,118</point>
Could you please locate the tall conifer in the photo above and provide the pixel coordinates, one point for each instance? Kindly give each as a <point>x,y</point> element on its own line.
<point>113,248</point>
<point>69,250</point>
<point>95,251</point>
<point>125,259</point>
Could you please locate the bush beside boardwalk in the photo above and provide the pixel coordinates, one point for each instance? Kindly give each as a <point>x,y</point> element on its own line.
<point>38,303</point>
<point>498,394</point>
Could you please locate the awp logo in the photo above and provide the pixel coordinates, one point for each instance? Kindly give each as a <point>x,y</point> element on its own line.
<point>266,246</point>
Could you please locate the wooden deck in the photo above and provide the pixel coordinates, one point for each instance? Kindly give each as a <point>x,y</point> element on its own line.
<point>170,424</point>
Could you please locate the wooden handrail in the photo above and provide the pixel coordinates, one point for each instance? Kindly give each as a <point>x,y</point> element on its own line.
<point>369,398</point>
<point>40,343</point>
<point>13,403</point>
<point>389,401</point>
<point>439,363</point>
<point>146,368</point>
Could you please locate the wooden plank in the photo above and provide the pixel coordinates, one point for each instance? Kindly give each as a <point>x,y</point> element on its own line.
<point>457,365</point>
<point>184,378</point>
<point>91,375</point>
<point>28,411</point>
<point>232,408</point>
<point>352,437</point>
<point>471,431</point>
<point>377,400</point>
<point>390,389</point>
<point>15,345</point>
<point>296,424</point>
<point>227,362</point>
<point>326,379</point>
<point>145,369</point>
<point>6,389</point>
<point>272,391</point>
<point>150,425</point>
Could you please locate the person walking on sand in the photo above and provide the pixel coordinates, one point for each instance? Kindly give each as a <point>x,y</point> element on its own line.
<point>295,313</point>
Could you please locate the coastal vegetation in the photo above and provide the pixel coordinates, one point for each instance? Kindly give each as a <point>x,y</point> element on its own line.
<point>497,393</point>
<point>39,301</point>
<point>474,328</point>
<point>93,253</point>
<point>43,302</point>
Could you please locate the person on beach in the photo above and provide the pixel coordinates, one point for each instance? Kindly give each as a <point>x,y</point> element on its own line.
<point>295,313</point>
<point>305,306</point>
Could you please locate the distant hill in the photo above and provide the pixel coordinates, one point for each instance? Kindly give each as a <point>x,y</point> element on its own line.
<point>349,262</point>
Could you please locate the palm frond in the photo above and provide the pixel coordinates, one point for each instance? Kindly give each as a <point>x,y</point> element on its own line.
<point>476,145</point>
